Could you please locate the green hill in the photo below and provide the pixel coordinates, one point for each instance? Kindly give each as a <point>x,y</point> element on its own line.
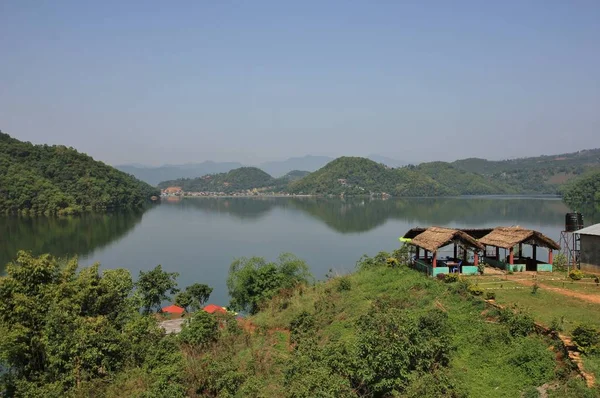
<point>42,179</point>
<point>542,174</point>
<point>239,179</point>
<point>354,176</point>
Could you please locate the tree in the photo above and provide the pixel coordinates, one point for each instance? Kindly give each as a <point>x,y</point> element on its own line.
<point>194,297</point>
<point>201,329</point>
<point>251,281</point>
<point>154,285</point>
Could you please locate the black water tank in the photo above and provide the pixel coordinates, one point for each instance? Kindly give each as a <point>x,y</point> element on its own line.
<point>573,222</point>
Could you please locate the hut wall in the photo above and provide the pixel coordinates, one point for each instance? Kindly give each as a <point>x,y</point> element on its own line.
<point>590,253</point>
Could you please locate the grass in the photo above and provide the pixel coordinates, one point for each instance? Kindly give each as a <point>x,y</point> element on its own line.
<point>480,363</point>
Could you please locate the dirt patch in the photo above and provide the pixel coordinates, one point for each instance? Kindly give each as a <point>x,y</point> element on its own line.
<point>590,298</point>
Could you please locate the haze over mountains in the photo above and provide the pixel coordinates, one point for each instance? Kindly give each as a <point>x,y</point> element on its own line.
<point>279,168</point>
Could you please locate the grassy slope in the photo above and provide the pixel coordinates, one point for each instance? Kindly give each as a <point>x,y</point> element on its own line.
<point>480,364</point>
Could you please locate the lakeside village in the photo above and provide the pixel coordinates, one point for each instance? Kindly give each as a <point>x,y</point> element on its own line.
<point>176,192</point>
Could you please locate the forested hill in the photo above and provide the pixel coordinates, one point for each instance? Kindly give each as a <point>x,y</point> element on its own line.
<point>542,174</point>
<point>239,179</point>
<point>355,175</point>
<point>584,190</point>
<point>43,179</point>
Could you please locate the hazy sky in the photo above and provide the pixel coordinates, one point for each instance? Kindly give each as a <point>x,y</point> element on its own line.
<point>175,81</point>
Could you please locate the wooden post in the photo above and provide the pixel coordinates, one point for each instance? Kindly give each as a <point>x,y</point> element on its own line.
<point>511,258</point>
<point>425,253</point>
<point>476,259</point>
<point>534,253</point>
<point>497,253</point>
<point>434,262</point>
<point>550,260</point>
<point>520,250</point>
<point>455,251</point>
<point>418,252</point>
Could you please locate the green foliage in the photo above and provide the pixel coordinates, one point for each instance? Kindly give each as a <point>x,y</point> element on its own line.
<point>534,288</point>
<point>519,324</point>
<point>42,179</point>
<point>576,274</point>
<point>63,329</point>
<point>380,260</point>
<point>239,179</point>
<point>542,174</point>
<point>155,286</point>
<point>394,345</point>
<point>583,190</point>
<point>559,263</point>
<point>481,268</point>
<point>587,338</point>
<point>490,296</point>
<point>344,284</point>
<point>531,356</point>
<point>451,278</point>
<point>194,296</point>
<point>360,176</point>
<point>557,324</point>
<point>476,290</point>
<point>402,254</point>
<point>199,330</point>
<point>252,281</point>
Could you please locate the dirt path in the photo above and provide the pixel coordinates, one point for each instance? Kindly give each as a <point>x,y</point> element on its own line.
<point>591,298</point>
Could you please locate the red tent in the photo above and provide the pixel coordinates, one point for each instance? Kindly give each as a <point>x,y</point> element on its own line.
<point>211,309</point>
<point>173,309</point>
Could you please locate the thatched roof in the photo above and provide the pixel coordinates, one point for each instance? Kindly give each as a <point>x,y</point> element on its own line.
<point>435,237</point>
<point>507,237</point>
<point>414,232</point>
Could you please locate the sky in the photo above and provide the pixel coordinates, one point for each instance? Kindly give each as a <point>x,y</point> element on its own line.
<point>157,82</point>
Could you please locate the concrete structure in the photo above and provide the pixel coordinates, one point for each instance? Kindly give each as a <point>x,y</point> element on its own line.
<point>589,256</point>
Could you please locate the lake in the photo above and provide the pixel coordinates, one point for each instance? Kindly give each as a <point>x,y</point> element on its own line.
<point>200,237</point>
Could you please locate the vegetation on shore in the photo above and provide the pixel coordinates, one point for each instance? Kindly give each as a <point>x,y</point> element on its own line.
<point>237,180</point>
<point>384,331</point>
<point>584,190</point>
<point>43,179</point>
<point>360,176</point>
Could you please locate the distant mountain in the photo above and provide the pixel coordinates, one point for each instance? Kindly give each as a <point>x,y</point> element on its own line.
<point>44,179</point>
<point>356,176</point>
<point>390,162</point>
<point>239,179</point>
<point>282,167</point>
<point>154,175</point>
<point>541,174</point>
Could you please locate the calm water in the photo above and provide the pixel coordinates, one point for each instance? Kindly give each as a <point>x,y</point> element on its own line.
<point>200,237</point>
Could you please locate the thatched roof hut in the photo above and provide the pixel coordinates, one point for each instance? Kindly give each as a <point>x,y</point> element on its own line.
<point>435,237</point>
<point>507,237</point>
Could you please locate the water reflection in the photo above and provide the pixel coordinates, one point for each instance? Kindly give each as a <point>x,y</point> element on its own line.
<point>364,214</point>
<point>63,236</point>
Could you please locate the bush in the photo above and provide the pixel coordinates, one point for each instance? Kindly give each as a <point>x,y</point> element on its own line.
<point>441,276</point>
<point>392,262</point>
<point>533,358</point>
<point>200,330</point>
<point>557,324</point>
<point>490,296</point>
<point>560,262</point>
<point>587,338</point>
<point>402,254</point>
<point>534,288</point>
<point>344,284</point>
<point>451,278</point>
<point>518,324</point>
<point>575,274</point>
<point>475,290</point>
<point>481,268</point>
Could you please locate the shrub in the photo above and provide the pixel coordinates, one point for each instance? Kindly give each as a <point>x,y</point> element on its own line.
<point>557,324</point>
<point>575,274</point>
<point>535,288</point>
<point>587,338</point>
<point>475,290</point>
<point>481,268</point>
<point>200,330</point>
<point>451,278</point>
<point>490,296</point>
<point>441,276</point>
<point>560,262</point>
<point>402,254</point>
<point>533,358</point>
<point>518,324</point>
<point>301,326</point>
<point>344,284</point>
<point>392,262</point>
